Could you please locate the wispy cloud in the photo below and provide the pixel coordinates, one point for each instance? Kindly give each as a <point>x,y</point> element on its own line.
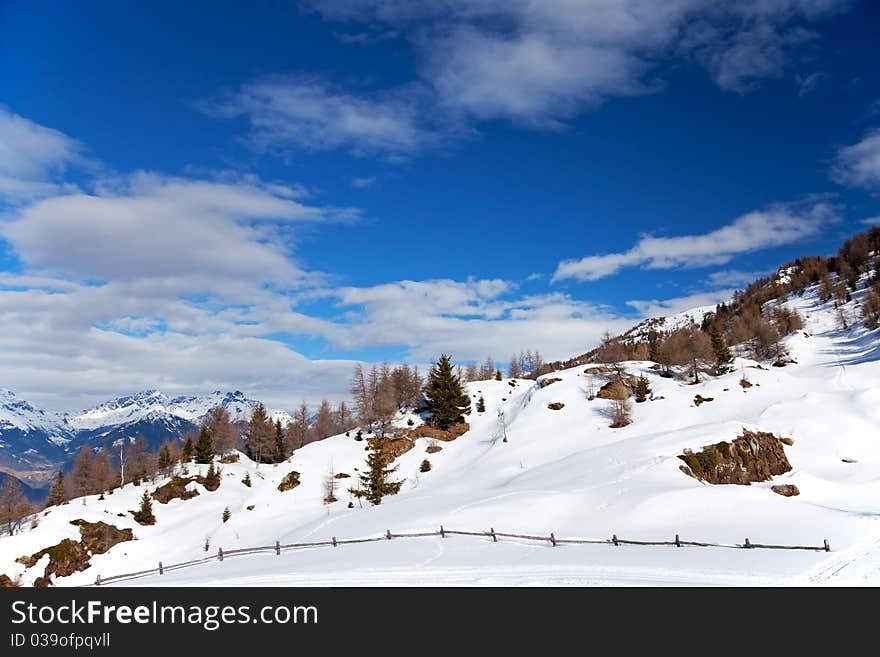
<point>858,165</point>
<point>760,229</point>
<point>363,183</point>
<point>287,113</point>
<point>538,63</point>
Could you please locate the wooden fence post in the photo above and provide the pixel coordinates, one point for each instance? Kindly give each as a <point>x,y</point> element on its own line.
<point>161,570</point>
<point>677,541</point>
<point>492,534</point>
<point>220,553</point>
<point>334,541</point>
<point>614,539</point>
<point>98,580</point>
<point>442,532</point>
<point>827,546</point>
<point>278,548</point>
<point>747,544</point>
<point>553,539</point>
<point>388,534</point>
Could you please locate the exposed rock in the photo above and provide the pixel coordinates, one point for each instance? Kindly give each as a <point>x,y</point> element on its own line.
<point>230,458</point>
<point>394,447</point>
<point>786,490</point>
<point>98,537</point>
<point>291,480</point>
<point>699,399</point>
<point>65,558</point>
<point>250,507</point>
<point>450,434</point>
<point>175,489</point>
<point>433,449</point>
<point>787,441</point>
<point>549,382</point>
<point>754,456</point>
<point>614,390</point>
<point>43,582</point>
<point>341,475</point>
<point>556,406</point>
<point>6,582</point>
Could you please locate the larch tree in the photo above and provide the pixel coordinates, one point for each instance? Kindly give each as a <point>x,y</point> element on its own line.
<point>223,433</point>
<point>324,424</point>
<point>13,504</point>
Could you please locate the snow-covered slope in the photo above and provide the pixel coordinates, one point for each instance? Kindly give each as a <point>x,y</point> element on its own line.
<point>563,471</point>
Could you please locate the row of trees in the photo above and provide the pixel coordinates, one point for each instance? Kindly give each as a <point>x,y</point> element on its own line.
<point>380,392</point>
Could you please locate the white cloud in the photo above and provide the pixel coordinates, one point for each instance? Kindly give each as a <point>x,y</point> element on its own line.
<point>871,221</point>
<point>761,229</point>
<point>733,277</point>
<point>470,319</point>
<point>363,183</point>
<point>858,165</point>
<point>296,112</point>
<point>539,62</point>
<point>30,157</point>
<point>666,307</point>
<point>191,234</point>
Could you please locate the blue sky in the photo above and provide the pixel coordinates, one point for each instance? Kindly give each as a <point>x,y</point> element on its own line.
<point>218,195</point>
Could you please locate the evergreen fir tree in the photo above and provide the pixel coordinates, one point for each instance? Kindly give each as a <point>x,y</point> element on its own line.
<point>723,358</point>
<point>279,446</point>
<point>164,461</point>
<point>58,491</point>
<point>481,405</point>
<point>498,375</point>
<point>144,515</point>
<point>212,479</point>
<point>204,450</point>
<point>447,402</point>
<point>227,514</point>
<point>247,479</point>
<point>642,389</point>
<point>186,454</point>
<point>375,483</point>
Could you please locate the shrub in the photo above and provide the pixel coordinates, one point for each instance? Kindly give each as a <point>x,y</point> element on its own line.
<point>144,515</point>
<point>247,479</point>
<point>227,514</point>
<point>425,466</point>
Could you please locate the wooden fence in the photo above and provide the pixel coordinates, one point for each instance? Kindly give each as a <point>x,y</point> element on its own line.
<point>552,539</point>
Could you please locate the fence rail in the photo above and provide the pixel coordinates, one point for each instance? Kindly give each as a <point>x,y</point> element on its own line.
<point>278,548</point>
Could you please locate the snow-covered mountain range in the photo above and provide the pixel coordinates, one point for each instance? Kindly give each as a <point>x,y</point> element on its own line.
<point>34,440</point>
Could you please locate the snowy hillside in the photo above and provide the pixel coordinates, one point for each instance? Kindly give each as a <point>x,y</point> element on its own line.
<point>563,471</point>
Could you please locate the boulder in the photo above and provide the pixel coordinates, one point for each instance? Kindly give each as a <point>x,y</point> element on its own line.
<point>549,382</point>
<point>175,489</point>
<point>753,456</point>
<point>99,537</point>
<point>65,558</point>
<point>786,490</point>
<point>290,481</point>
<point>556,406</point>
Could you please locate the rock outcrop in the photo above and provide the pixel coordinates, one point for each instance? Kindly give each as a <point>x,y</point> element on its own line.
<point>753,456</point>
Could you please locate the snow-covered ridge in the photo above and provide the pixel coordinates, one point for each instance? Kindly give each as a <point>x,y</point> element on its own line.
<point>16,413</point>
<point>153,404</point>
